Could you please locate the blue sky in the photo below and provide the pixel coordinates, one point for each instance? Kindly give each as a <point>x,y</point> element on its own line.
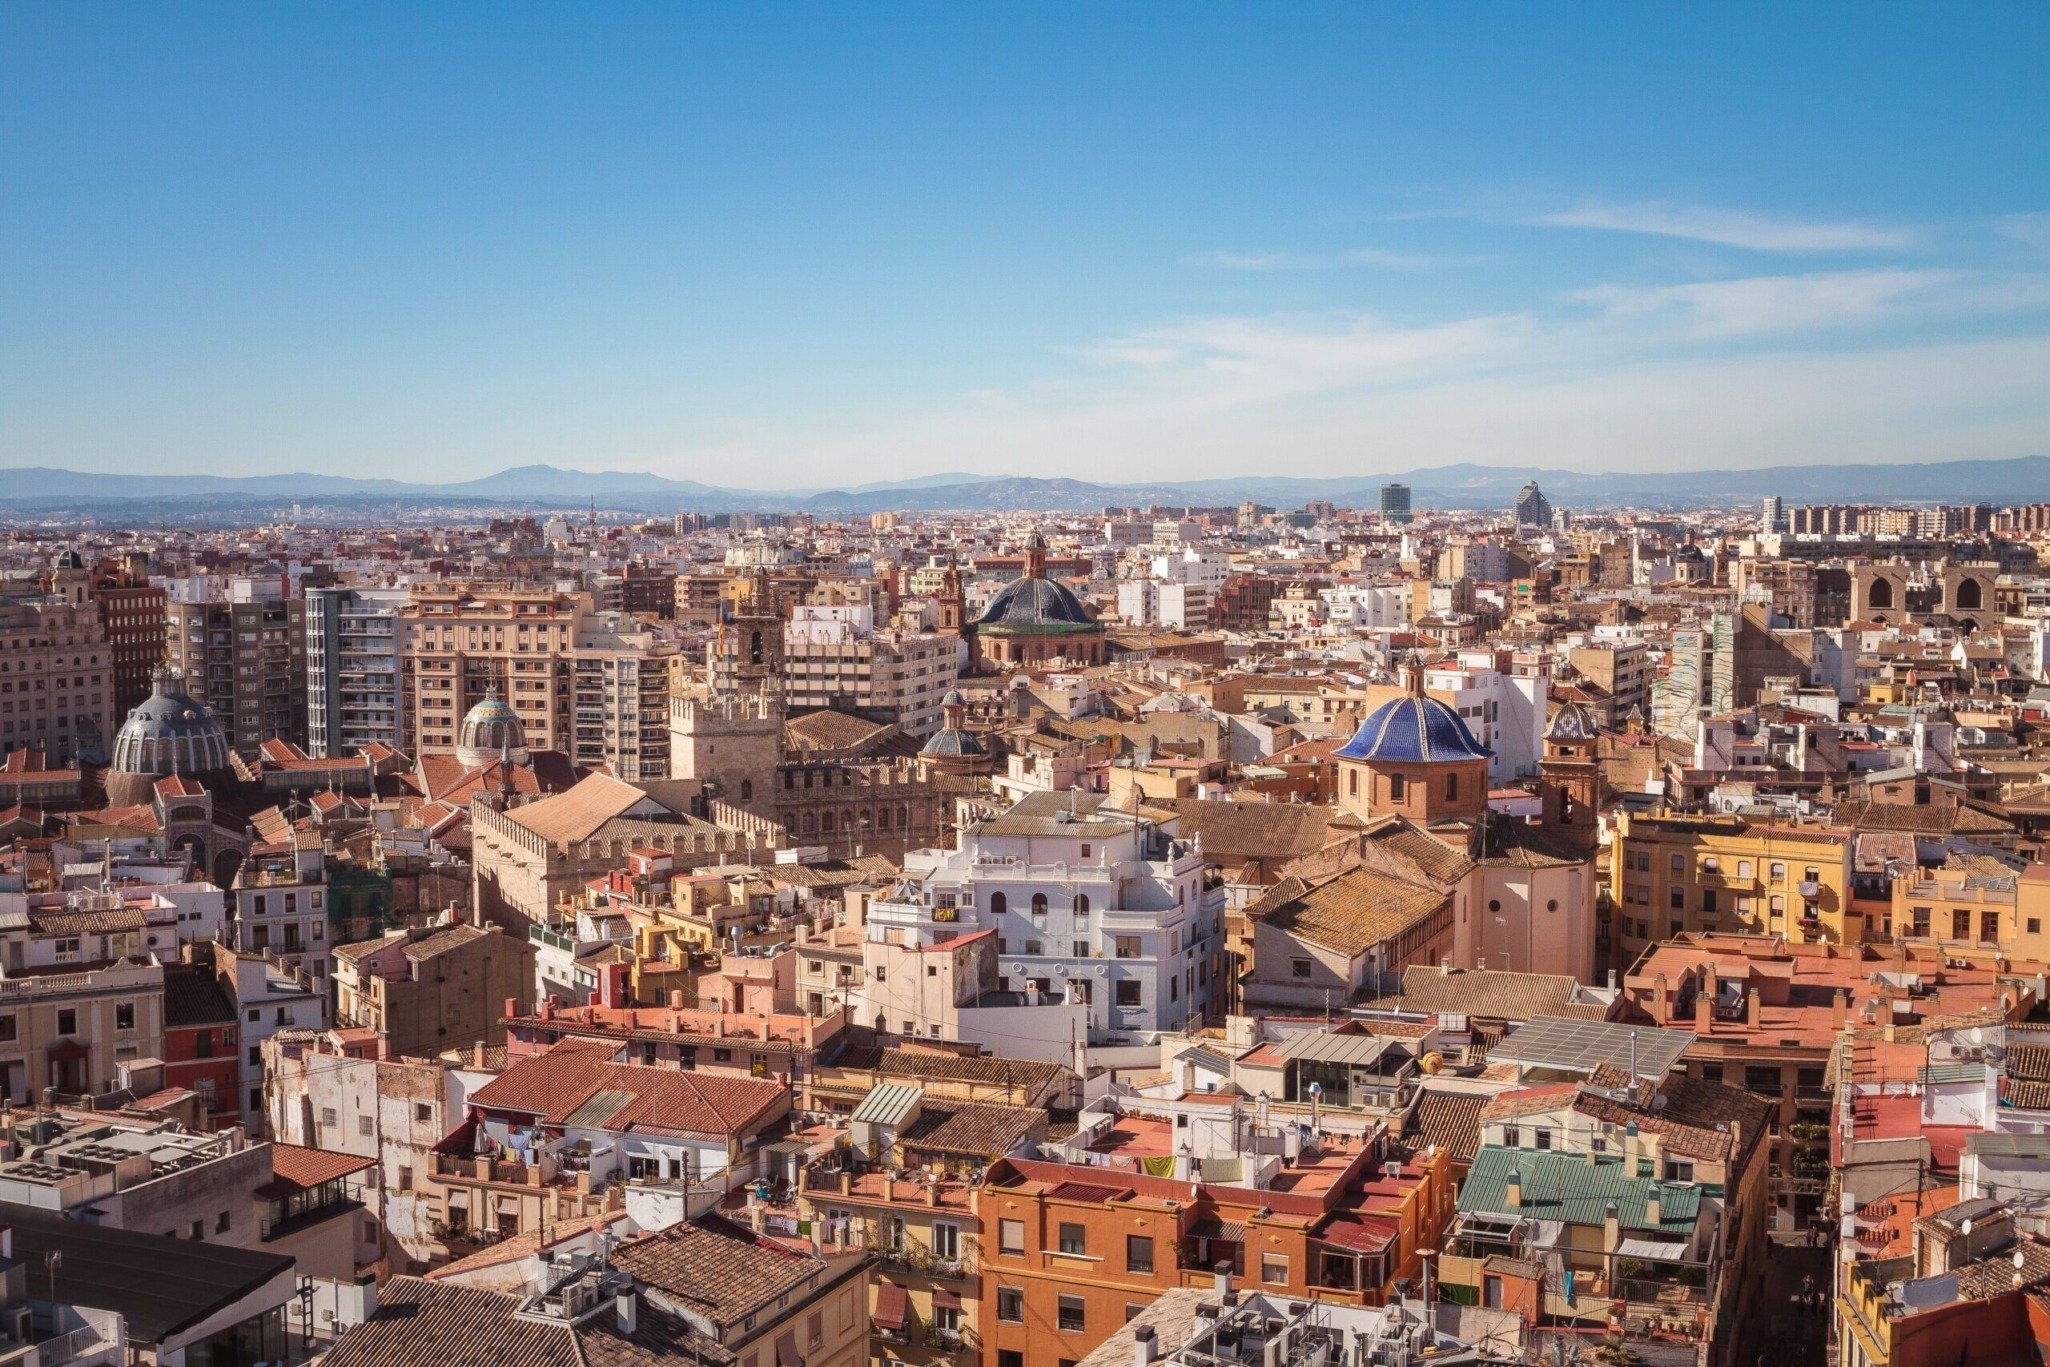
<point>789,245</point>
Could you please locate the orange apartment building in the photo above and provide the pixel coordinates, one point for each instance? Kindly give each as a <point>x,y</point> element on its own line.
<point>1071,1250</point>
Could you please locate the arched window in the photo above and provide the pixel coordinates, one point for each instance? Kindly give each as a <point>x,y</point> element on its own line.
<point>998,903</point>
<point>1968,595</point>
<point>882,818</point>
<point>1881,595</point>
<point>1039,904</point>
<point>1081,904</point>
<point>826,821</point>
<point>811,822</point>
<point>867,818</point>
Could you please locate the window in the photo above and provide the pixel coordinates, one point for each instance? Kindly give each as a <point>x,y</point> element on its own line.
<point>1010,1236</point>
<point>7,1027</point>
<point>1011,1304</point>
<point>1512,1137</point>
<point>67,1021</point>
<point>1451,794</point>
<point>405,1179</point>
<point>1070,1320</point>
<point>255,1014</point>
<point>1299,968</point>
<point>1679,1170</point>
<point>198,1231</point>
<point>221,1223</point>
<point>1081,904</point>
<point>1138,1253</point>
<point>1678,863</point>
<point>1678,898</point>
<point>1274,1269</point>
<point>1039,904</point>
<point>1129,992</point>
<point>1397,788</point>
<point>1708,904</point>
<point>255,1055</point>
<point>998,903</point>
<point>1542,1138</point>
<point>327,1115</point>
<point>1766,1080</point>
<point>1074,1240</point>
<point>946,1241</point>
<point>1779,873</point>
<point>363,1124</point>
<point>1709,864</point>
<point>256,1098</point>
<point>1743,868</point>
<point>124,1016</point>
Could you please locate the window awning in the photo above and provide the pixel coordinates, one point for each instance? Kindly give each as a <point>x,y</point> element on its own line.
<point>891,1307</point>
<point>786,1350</point>
<point>1651,1251</point>
<point>943,1299</point>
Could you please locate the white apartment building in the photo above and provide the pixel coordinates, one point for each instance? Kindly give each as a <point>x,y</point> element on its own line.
<point>834,655</point>
<point>269,997</point>
<point>619,698</point>
<point>1504,710</point>
<point>281,908</point>
<point>354,695</point>
<point>1367,607</point>
<point>1089,906</point>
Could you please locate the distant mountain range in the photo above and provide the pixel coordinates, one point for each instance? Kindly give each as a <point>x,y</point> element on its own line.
<point>540,487</point>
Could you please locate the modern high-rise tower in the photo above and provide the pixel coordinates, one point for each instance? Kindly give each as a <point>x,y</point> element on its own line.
<point>1395,504</point>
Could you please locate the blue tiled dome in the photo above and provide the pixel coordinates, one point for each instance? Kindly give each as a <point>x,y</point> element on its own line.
<point>1414,729</point>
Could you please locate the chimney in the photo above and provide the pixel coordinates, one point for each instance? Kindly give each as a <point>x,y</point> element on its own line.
<point>1751,1008</point>
<point>1840,1009</point>
<point>1651,1209</point>
<point>512,1006</point>
<point>1612,1229</point>
<point>1220,1281</point>
<point>1142,1345</point>
<point>626,1308</point>
<point>1512,1191</point>
<point>1661,1000</point>
<point>1704,1007</point>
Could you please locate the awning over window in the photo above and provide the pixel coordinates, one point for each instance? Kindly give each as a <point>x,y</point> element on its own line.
<point>891,1307</point>
<point>943,1299</point>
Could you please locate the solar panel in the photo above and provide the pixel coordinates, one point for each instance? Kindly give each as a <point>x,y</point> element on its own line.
<point>1582,1046</point>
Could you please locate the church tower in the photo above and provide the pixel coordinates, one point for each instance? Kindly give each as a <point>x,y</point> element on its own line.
<point>1570,783</point>
<point>952,603</point>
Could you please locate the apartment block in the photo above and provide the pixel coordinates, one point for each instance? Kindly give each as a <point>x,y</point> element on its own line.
<point>246,659</point>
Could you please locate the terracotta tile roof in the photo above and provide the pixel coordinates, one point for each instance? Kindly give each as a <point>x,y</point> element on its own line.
<point>986,1131</point>
<point>1492,994</point>
<point>1349,912</point>
<point>294,1168</point>
<point>716,1267</point>
<point>1450,1120</point>
<point>113,922</point>
<point>830,730</point>
<point>576,815</point>
<point>420,1322</point>
<point>570,1076</point>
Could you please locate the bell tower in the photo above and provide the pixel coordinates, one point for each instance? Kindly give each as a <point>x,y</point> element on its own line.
<point>1570,782</point>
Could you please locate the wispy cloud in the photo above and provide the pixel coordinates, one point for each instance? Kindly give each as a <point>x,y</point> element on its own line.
<point>1315,261</point>
<point>1727,227</point>
<point>2032,229</point>
<point>1769,303</point>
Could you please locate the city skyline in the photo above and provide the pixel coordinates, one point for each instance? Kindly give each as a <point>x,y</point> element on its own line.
<point>814,248</point>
